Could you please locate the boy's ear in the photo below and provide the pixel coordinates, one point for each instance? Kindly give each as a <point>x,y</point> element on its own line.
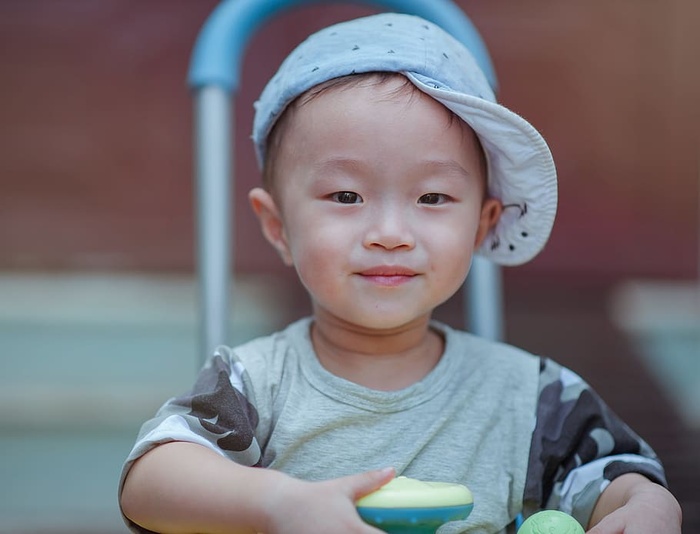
<point>490,213</point>
<point>271,222</point>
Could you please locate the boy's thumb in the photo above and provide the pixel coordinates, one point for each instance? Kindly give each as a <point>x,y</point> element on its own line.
<point>365,483</point>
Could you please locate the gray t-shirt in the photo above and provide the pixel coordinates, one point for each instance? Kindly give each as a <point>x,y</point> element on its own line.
<point>521,432</point>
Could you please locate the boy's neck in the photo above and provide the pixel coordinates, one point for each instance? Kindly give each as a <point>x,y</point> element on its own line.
<point>385,360</point>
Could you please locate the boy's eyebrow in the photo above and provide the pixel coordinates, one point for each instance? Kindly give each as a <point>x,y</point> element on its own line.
<point>446,167</point>
<point>339,162</point>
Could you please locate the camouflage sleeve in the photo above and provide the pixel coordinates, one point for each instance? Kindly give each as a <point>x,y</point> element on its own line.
<point>578,447</point>
<point>216,414</point>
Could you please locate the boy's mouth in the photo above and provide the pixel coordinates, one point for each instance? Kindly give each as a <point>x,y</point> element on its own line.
<point>388,275</point>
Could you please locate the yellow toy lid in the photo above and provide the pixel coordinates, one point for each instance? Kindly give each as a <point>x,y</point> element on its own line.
<point>404,492</point>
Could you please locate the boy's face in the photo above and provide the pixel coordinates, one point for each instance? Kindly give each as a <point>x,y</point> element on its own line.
<point>378,203</point>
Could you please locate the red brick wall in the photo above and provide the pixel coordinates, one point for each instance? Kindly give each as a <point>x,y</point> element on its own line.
<point>95,144</point>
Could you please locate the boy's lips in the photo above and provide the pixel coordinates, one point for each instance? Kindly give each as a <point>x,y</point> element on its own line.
<point>388,270</point>
<point>388,275</point>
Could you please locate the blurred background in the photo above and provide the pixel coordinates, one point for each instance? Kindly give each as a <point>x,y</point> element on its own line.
<point>98,311</point>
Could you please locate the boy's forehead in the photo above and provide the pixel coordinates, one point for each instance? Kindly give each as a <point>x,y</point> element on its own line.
<point>381,107</point>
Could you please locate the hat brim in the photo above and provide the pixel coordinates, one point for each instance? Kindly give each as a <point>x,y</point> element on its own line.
<point>521,173</point>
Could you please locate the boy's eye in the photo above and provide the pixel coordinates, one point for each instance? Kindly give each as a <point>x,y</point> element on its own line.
<point>346,197</point>
<point>432,198</point>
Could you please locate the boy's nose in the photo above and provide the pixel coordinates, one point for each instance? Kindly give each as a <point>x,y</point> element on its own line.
<point>390,228</point>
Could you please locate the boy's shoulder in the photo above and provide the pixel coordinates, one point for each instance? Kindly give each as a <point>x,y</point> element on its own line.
<point>487,351</point>
<point>512,360</point>
<point>271,350</point>
<point>475,342</point>
<point>483,364</point>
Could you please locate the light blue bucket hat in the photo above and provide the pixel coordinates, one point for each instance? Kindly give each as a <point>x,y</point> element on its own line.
<point>521,172</point>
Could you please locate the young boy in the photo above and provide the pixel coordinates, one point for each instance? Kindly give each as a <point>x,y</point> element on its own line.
<point>387,164</point>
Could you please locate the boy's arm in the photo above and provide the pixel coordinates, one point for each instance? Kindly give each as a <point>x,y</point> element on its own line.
<point>633,503</point>
<point>580,448</point>
<point>183,487</point>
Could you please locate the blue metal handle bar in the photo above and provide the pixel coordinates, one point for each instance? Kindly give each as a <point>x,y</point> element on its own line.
<point>214,75</point>
<point>218,52</point>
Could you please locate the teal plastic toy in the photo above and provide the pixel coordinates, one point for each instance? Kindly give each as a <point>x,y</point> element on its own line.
<point>409,506</point>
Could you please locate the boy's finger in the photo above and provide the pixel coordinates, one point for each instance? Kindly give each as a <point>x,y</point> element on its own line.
<point>609,525</point>
<point>364,483</point>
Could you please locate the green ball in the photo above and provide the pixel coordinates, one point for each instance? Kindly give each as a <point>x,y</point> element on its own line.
<point>551,522</point>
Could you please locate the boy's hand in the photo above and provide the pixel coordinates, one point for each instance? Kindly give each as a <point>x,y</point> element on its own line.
<point>322,507</point>
<point>646,508</point>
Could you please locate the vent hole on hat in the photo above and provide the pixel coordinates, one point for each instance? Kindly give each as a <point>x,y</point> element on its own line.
<point>446,56</point>
<point>524,234</point>
<point>355,47</point>
<point>315,69</point>
<point>511,247</point>
<point>391,52</point>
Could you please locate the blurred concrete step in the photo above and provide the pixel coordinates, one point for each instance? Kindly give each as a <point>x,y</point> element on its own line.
<point>85,359</point>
